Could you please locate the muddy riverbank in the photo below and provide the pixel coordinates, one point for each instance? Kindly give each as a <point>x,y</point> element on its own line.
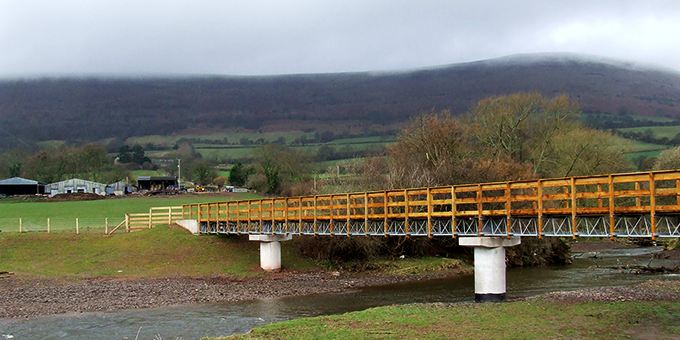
<point>23,297</point>
<point>27,297</point>
<point>199,320</point>
<point>652,290</point>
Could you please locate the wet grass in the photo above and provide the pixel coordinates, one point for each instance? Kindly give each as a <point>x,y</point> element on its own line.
<point>536,319</point>
<point>158,252</point>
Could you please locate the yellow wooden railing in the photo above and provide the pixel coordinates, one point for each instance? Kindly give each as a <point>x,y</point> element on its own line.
<point>640,193</point>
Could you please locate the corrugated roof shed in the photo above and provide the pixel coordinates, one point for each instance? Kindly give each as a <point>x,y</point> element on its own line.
<point>75,181</point>
<point>18,181</point>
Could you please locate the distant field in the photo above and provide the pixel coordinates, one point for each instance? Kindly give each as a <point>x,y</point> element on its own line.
<point>613,116</point>
<point>335,162</point>
<point>659,131</point>
<point>224,153</point>
<point>360,140</point>
<point>224,173</point>
<point>136,173</point>
<point>636,149</point>
<point>91,213</point>
<point>51,143</point>
<point>223,146</point>
<point>231,136</point>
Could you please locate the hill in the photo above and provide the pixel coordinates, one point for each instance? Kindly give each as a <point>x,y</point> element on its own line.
<point>83,109</point>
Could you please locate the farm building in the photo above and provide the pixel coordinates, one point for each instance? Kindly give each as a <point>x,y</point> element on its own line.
<point>153,183</point>
<point>75,185</point>
<point>119,188</point>
<point>20,186</point>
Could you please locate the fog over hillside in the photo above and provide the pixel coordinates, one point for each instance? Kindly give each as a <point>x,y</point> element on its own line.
<point>93,108</point>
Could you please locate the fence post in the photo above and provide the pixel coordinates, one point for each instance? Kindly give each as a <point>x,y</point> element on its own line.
<point>77,226</point>
<point>169,215</point>
<point>127,223</point>
<point>48,224</point>
<point>106,225</point>
<point>150,218</point>
<point>21,225</point>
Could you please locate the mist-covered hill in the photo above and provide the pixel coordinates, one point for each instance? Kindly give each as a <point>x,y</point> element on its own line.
<point>94,108</point>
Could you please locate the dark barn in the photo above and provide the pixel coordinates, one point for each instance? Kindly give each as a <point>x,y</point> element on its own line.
<point>20,186</point>
<point>155,183</point>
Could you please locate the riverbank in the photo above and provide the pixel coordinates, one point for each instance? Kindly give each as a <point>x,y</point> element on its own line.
<point>29,297</point>
<point>54,273</point>
<point>647,310</point>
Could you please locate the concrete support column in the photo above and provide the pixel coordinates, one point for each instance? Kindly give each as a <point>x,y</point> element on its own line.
<point>489,265</point>
<point>270,250</point>
<point>190,225</point>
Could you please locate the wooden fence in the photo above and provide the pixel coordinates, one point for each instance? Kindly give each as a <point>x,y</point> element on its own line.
<point>131,222</point>
<point>155,216</point>
<point>52,224</point>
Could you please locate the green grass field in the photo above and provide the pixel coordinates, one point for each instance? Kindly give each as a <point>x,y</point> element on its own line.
<point>91,214</point>
<point>233,150</point>
<point>158,252</point>
<point>167,252</point>
<point>223,153</point>
<point>231,136</point>
<point>659,131</point>
<point>515,320</point>
<point>136,173</point>
<point>638,149</point>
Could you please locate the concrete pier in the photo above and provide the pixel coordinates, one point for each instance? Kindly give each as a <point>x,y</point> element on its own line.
<point>489,265</point>
<point>270,250</point>
<point>190,225</point>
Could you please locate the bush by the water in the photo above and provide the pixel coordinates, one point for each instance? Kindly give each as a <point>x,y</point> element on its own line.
<point>358,251</point>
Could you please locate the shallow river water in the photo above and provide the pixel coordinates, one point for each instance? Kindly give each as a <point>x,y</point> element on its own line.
<point>195,321</point>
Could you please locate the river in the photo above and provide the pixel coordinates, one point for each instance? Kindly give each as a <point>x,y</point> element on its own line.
<point>195,321</point>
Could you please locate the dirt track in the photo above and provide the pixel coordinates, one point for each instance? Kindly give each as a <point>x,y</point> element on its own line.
<point>24,297</point>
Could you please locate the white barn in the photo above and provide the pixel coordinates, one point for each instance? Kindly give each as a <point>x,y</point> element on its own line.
<point>75,185</point>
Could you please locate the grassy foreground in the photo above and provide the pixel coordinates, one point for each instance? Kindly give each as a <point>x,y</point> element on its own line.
<point>537,319</point>
<point>166,252</point>
<point>158,252</point>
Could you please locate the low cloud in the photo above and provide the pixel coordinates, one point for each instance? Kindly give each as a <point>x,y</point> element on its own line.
<point>276,37</point>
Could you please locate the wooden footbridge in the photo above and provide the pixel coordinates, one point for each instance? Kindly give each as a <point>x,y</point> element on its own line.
<point>642,204</point>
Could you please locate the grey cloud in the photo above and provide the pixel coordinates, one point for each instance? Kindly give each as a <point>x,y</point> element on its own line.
<point>275,37</point>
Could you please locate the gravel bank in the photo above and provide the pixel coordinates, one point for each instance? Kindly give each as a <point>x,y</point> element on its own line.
<point>653,290</point>
<point>29,297</point>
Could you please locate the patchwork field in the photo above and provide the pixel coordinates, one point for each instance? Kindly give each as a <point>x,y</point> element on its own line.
<point>229,146</point>
<point>218,136</point>
<point>658,131</point>
<point>642,149</point>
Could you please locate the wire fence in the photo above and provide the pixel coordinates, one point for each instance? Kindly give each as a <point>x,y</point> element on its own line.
<point>59,224</point>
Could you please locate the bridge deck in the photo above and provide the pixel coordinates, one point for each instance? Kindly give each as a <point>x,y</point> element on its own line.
<point>645,204</point>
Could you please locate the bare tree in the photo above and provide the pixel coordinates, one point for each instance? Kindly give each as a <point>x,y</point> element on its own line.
<point>523,126</point>
<point>668,159</point>
<point>278,168</point>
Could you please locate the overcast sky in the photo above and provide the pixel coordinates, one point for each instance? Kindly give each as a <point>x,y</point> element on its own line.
<point>58,37</point>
